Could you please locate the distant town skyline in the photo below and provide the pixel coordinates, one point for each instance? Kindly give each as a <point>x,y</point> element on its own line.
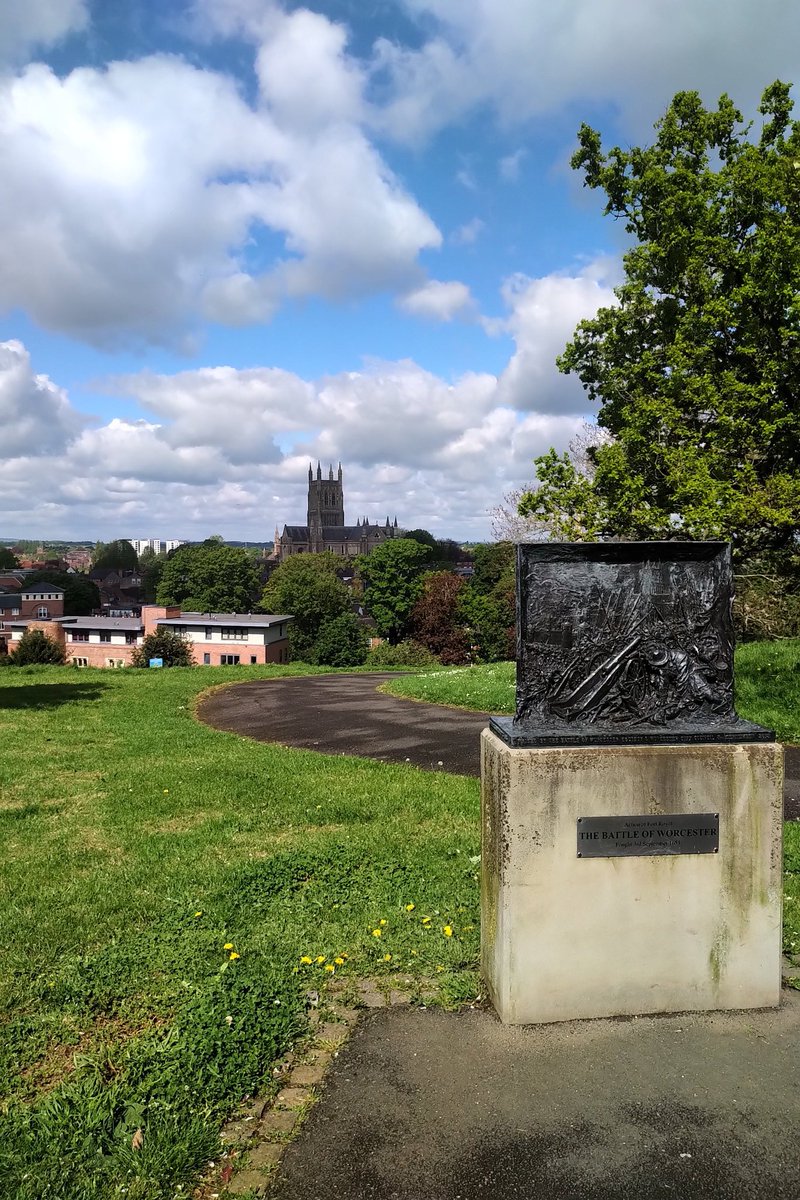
<point>241,234</point>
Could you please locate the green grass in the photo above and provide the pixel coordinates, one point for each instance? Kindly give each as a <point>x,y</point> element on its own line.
<point>137,844</point>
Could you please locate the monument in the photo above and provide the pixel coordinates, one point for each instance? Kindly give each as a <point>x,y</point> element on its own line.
<point>632,821</point>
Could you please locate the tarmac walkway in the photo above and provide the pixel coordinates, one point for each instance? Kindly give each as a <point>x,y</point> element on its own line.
<point>346,714</point>
<point>426,1105</point>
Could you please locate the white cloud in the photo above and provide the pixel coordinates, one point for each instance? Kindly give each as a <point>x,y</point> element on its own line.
<point>31,24</point>
<point>36,417</point>
<point>543,315</point>
<point>528,58</point>
<point>134,197</point>
<point>439,301</point>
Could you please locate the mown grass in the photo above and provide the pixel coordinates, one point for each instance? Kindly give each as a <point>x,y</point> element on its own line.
<point>137,845</point>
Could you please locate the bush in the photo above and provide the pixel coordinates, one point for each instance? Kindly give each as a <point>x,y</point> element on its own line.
<point>404,654</point>
<point>341,642</point>
<point>174,649</point>
<point>36,647</point>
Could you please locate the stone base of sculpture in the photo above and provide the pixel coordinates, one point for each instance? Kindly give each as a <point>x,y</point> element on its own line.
<point>620,929</point>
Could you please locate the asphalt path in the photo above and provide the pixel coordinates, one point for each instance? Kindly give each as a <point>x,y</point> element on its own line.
<point>346,714</point>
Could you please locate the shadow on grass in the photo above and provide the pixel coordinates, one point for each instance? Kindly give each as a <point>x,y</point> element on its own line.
<point>49,695</point>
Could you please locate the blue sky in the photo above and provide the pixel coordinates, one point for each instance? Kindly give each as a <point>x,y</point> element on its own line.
<point>240,234</point>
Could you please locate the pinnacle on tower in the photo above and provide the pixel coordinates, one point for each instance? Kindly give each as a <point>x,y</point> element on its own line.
<point>330,472</point>
<point>319,470</point>
<point>310,473</point>
<point>340,472</point>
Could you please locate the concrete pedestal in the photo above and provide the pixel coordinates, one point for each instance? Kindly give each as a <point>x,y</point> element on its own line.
<point>566,937</point>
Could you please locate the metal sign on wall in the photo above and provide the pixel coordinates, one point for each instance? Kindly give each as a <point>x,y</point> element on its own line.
<point>627,837</point>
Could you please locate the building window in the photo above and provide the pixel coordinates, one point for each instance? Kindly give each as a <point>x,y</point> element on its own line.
<point>253,659</point>
<point>233,633</point>
<point>105,637</point>
<point>209,633</point>
<point>42,612</point>
<point>228,660</point>
<point>78,636</point>
<point>130,639</point>
<point>80,662</point>
<point>206,660</point>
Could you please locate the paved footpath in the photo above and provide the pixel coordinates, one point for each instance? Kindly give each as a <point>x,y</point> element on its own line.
<point>345,714</point>
<point>426,1105</point>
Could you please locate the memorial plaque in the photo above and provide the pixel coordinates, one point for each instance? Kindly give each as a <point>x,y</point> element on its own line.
<point>627,837</point>
<point>624,643</point>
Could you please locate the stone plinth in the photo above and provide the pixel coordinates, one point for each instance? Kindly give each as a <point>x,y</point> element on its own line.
<point>566,937</point>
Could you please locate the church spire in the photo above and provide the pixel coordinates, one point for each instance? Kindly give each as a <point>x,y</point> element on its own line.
<point>319,470</point>
<point>310,473</point>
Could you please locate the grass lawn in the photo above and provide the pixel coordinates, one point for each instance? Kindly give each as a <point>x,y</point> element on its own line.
<point>161,884</point>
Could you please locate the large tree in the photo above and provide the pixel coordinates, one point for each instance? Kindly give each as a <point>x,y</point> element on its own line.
<point>8,559</point>
<point>696,367</point>
<point>209,577</point>
<point>117,556</point>
<point>391,574</point>
<point>437,621</point>
<point>307,587</point>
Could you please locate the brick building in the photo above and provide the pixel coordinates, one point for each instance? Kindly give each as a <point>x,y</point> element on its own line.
<point>216,639</point>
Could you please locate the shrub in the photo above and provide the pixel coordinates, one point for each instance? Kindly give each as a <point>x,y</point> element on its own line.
<point>341,642</point>
<point>174,649</point>
<point>36,647</point>
<point>404,654</point>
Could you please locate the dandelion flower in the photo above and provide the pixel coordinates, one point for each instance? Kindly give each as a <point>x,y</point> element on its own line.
<point>447,931</point>
<point>306,959</point>
<point>377,933</point>
<point>339,961</point>
<point>410,907</point>
<point>329,967</point>
<point>414,951</point>
<point>166,791</point>
<point>199,914</point>
<point>234,955</point>
<point>387,958</point>
<point>426,920</point>
<point>320,958</point>
<point>382,921</point>
<point>440,968</point>
<point>228,946</point>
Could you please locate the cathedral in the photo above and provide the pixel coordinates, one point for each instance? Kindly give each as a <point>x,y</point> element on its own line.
<point>325,528</point>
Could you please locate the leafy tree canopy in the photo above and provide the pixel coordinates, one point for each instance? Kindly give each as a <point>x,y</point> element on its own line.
<point>391,575</point>
<point>212,576</point>
<point>174,649</point>
<point>307,587</point>
<point>436,619</point>
<point>696,367</point>
<point>341,642</point>
<point>36,647</point>
<point>81,594</point>
<point>8,559</point>
<point>117,556</point>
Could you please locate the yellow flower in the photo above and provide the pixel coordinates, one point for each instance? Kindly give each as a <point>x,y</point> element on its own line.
<point>228,946</point>
<point>234,955</point>
<point>320,958</point>
<point>426,920</point>
<point>440,968</point>
<point>199,914</point>
<point>382,921</point>
<point>329,967</point>
<point>447,931</point>
<point>306,959</point>
<point>387,958</point>
<point>410,907</point>
<point>377,933</point>
<point>339,961</point>
<point>166,791</point>
<point>414,952</point>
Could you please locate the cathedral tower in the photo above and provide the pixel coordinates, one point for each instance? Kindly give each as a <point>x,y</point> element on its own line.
<point>325,504</point>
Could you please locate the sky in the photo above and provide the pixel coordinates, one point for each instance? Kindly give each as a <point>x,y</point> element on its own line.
<point>237,236</point>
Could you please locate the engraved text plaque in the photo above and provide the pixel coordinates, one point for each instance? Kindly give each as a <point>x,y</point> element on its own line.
<point>627,837</point>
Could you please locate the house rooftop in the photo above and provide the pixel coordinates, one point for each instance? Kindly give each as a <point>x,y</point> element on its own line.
<point>41,585</point>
